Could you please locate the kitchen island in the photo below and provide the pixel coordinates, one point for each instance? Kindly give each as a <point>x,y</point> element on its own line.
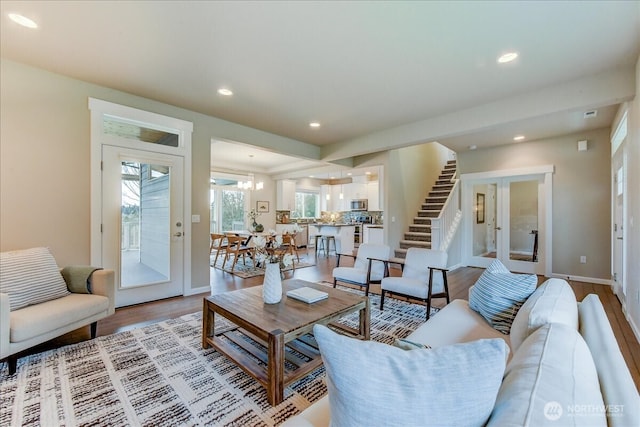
<point>343,233</point>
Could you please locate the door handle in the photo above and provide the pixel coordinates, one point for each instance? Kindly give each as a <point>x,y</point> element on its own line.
<point>178,234</point>
<point>619,238</point>
<point>498,228</point>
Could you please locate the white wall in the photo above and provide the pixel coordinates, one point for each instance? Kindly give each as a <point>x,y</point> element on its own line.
<point>410,173</point>
<point>581,195</point>
<point>44,163</point>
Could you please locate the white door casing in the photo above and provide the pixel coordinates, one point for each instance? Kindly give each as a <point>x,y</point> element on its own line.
<point>176,154</point>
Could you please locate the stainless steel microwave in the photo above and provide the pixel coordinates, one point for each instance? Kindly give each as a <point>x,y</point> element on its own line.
<point>359,204</point>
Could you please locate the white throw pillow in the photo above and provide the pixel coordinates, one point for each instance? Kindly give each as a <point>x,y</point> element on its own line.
<point>553,302</point>
<point>551,381</point>
<point>498,295</point>
<point>30,276</point>
<point>375,384</point>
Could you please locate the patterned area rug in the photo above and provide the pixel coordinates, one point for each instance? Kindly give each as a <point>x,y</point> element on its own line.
<point>159,375</point>
<point>248,270</point>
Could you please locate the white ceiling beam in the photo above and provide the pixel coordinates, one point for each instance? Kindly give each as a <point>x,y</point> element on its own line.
<point>600,90</point>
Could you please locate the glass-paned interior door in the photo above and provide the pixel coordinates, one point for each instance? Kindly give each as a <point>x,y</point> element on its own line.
<point>505,223</point>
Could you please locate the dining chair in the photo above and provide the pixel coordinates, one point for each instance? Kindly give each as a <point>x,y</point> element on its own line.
<point>218,244</point>
<point>418,280</point>
<point>289,244</point>
<point>237,247</point>
<point>370,266</point>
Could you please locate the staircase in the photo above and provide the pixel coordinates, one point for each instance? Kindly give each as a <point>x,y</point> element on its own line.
<point>420,232</point>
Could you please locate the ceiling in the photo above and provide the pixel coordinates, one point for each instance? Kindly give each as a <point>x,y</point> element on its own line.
<point>376,75</point>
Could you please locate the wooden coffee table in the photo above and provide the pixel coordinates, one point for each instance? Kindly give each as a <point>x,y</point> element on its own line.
<point>276,326</point>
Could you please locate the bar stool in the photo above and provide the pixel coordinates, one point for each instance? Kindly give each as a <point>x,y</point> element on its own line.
<point>326,240</point>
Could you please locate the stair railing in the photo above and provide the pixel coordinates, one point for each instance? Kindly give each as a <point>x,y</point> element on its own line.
<point>444,226</point>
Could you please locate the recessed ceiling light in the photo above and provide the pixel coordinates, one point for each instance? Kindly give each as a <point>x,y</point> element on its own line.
<point>22,20</point>
<point>518,138</point>
<point>225,92</point>
<point>367,173</point>
<point>314,124</point>
<point>473,147</point>
<point>507,57</point>
<point>349,174</point>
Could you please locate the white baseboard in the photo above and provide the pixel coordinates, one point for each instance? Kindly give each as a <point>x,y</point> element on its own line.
<point>195,291</point>
<point>634,327</point>
<point>582,279</point>
<point>455,267</point>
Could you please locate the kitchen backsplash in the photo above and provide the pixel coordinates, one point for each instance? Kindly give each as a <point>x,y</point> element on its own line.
<point>374,217</point>
<point>345,217</point>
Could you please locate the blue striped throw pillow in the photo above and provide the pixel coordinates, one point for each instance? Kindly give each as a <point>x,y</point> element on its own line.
<point>498,295</point>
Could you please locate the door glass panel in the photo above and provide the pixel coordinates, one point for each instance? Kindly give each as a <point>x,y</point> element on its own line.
<point>484,220</point>
<point>523,220</point>
<point>124,129</point>
<point>145,228</point>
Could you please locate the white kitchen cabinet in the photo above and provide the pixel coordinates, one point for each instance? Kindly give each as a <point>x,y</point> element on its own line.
<point>325,204</point>
<point>373,195</point>
<point>286,195</point>
<point>356,190</point>
<point>337,203</point>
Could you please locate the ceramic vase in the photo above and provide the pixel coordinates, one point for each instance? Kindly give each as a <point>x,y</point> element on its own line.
<point>272,286</point>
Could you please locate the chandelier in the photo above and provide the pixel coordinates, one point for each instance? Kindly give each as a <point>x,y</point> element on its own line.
<point>250,184</point>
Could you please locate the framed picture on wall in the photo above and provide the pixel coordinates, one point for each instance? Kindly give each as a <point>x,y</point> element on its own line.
<point>262,206</point>
<point>480,208</point>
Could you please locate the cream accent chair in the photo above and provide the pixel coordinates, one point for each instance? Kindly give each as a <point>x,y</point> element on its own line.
<point>34,324</point>
<point>418,280</point>
<point>370,266</point>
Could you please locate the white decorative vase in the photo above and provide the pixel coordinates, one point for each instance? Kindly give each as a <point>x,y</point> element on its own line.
<point>272,286</point>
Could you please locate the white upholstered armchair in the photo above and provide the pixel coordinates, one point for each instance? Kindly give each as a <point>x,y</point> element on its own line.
<point>369,267</point>
<point>38,304</point>
<point>424,276</point>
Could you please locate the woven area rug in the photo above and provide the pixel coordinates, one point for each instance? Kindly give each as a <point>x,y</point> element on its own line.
<point>159,375</point>
<point>249,270</point>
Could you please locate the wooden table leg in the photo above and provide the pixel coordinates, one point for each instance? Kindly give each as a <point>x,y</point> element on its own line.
<point>365,321</point>
<point>208,327</point>
<point>275,367</point>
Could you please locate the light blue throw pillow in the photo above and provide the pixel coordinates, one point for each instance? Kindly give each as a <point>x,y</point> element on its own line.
<point>498,295</point>
<point>375,384</point>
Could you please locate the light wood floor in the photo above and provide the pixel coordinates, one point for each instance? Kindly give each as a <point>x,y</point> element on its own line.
<point>459,282</point>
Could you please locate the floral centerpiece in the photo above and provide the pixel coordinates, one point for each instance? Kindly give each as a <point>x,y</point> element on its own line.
<point>253,214</point>
<point>267,251</point>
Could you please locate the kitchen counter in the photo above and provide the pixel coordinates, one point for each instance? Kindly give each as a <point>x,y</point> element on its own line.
<point>344,235</point>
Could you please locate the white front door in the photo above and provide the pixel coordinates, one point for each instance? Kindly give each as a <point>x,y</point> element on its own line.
<point>143,223</point>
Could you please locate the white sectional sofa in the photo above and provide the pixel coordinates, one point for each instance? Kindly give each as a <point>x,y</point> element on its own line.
<point>564,369</point>
<point>39,303</point>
